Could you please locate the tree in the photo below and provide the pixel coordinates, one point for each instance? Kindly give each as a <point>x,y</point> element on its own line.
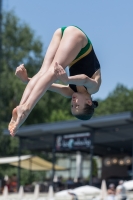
<point>94,168</point>
<point>21,46</point>
<point>119,100</point>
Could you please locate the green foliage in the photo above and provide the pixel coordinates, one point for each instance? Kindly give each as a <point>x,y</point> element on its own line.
<point>52,107</point>
<point>94,168</point>
<point>120,100</point>
<point>21,46</point>
<point>27,176</point>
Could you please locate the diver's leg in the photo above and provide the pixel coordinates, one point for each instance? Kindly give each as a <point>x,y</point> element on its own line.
<point>53,46</point>
<point>70,45</point>
<point>51,51</point>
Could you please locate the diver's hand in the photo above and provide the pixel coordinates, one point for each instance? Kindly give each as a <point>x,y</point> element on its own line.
<point>60,73</point>
<point>21,73</point>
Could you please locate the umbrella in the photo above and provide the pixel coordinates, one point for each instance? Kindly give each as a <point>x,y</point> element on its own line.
<point>103,194</point>
<point>64,194</point>
<point>128,185</point>
<point>87,190</point>
<point>30,162</point>
<point>82,191</point>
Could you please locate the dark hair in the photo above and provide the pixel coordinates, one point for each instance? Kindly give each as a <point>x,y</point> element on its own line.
<point>88,111</point>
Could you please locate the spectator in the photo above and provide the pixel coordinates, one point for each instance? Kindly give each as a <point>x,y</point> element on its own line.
<point>3,183</point>
<point>78,183</point>
<point>8,184</point>
<point>69,183</point>
<point>13,185</point>
<point>121,191</point>
<point>111,192</point>
<point>60,183</point>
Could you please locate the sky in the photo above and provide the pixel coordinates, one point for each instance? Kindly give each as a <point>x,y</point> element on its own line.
<point>108,24</point>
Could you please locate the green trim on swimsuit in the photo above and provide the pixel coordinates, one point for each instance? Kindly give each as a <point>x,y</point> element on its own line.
<point>83,50</point>
<point>62,29</point>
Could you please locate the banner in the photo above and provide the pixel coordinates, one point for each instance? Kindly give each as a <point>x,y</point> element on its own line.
<point>78,141</point>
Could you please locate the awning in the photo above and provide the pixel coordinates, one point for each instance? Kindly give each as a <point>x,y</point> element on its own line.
<point>30,162</point>
<point>111,133</point>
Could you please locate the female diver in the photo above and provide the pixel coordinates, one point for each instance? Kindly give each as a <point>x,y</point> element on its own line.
<point>71,47</point>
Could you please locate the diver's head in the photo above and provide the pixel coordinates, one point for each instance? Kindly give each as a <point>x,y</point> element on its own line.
<point>82,106</point>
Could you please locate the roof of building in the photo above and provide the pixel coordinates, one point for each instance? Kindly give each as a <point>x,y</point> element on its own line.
<point>112,133</point>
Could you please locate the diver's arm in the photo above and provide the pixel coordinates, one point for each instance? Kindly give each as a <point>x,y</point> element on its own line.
<point>83,80</point>
<point>80,79</point>
<point>64,90</point>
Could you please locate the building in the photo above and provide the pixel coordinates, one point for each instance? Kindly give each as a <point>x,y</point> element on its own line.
<point>111,140</point>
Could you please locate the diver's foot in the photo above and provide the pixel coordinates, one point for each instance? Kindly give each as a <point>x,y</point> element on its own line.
<point>18,117</point>
<point>13,119</point>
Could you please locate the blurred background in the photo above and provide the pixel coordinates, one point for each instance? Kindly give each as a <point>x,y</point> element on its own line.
<point>26,28</point>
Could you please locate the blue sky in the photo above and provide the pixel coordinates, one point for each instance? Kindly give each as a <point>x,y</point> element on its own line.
<point>109,25</point>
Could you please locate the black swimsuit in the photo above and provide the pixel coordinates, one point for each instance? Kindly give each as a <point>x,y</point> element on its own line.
<point>86,62</point>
